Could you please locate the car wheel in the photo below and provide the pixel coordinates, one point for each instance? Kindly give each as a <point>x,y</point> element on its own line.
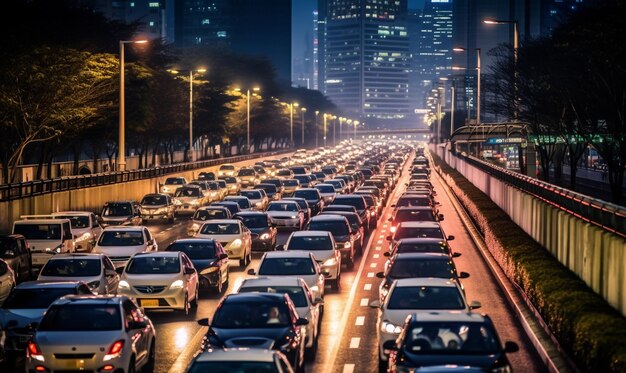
<point>382,365</point>
<point>185,310</point>
<point>149,367</point>
<point>350,263</point>
<point>131,365</point>
<point>336,283</point>
<point>194,302</point>
<point>218,288</point>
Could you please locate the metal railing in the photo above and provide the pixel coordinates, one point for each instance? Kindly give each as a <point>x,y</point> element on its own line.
<point>607,215</point>
<point>28,189</point>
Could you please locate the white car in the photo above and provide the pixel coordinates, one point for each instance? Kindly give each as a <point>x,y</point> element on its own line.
<point>240,360</point>
<point>7,280</point>
<point>84,226</point>
<point>257,198</point>
<point>120,243</point>
<point>234,236</point>
<point>96,270</point>
<point>293,264</point>
<point>322,245</point>
<point>286,214</point>
<point>226,170</point>
<point>188,198</point>
<point>307,306</point>
<point>171,184</point>
<point>166,279</point>
<point>416,295</point>
<point>45,237</point>
<point>418,229</point>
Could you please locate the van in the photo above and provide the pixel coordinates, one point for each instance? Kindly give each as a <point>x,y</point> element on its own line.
<point>46,237</point>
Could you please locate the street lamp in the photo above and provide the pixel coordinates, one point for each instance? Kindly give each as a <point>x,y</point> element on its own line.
<point>356,123</point>
<point>255,89</point>
<point>317,112</point>
<point>325,116</point>
<point>191,72</point>
<point>291,106</point>
<point>121,160</point>
<point>302,110</point>
<point>477,79</point>
<point>515,48</point>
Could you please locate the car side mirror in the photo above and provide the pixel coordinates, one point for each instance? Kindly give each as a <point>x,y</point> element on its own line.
<point>464,275</point>
<point>474,305</point>
<point>456,255</point>
<point>387,254</point>
<point>380,274</point>
<point>189,271</point>
<point>223,256</point>
<point>375,304</point>
<point>390,345</point>
<point>450,238</point>
<point>302,321</point>
<point>251,272</point>
<point>280,247</point>
<point>393,205</point>
<point>440,216</point>
<point>390,219</point>
<point>510,347</point>
<point>204,322</point>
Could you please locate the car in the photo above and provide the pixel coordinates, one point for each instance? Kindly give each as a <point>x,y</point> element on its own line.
<point>209,176</point>
<point>344,235</point>
<point>7,280</point>
<point>280,188</point>
<point>188,198</point>
<point>27,304</point>
<point>306,181</point>
<point>84,226</point>
<point>290,186</point>
<point>243,202</point>
<point>215,192</point>
<point>422,245</point>
<point>340,186</point>
<point>258,198</point>
<point>248,177</point>
<point>449,338</point>
<point>232,184</point>
<point>327,191</point>
<point>356,225</point>
<point>262,174</point>
<point>15,252</point>
<point>294,264</point>
<point>45,237</point>
<point>222,189</point>
<point>207,213</point>
<point>232,206</point>
<point>208,258</point>
<point>418,229</point>
<point>415,295</point>
<point>323,247</point>
<point>233,235</point>
<point>413,213</point>
<point>204,185</point>
<point>307,306</point>
<point>417,265</point>
<point>361,207</point>
<point>313,197</point>
<point>304,205</point>
<point>240,360</point>
<point>120,243</point>
<point>120,213</point>
<point>158,206</point>
<point>414,199</point>
<point>171,184</point>
<point>259,320</point>
<point>284,173</point>
<point>165,279</point>
<point>226,170</point>
<point>264,232</point>
<point>88,333</point>
<point>272,192</point>
<point>286,214</point>
<point>96,270</point>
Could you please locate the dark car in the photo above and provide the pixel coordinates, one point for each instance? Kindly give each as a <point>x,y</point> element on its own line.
<point>233,207</point>
<point>342,232</point>
<point>15,252</point>
<point>361,207</point>
<point>305,180</point>
<point>208,258</point>
<point>278,183</point>
<point>263,231</point>
<point>422,245</point>
<point>355,223</point>
<point>413,213</point>
<point>449,338</point>
<point>271,190</point>
<point>207,176</point>
<point>412,199</point>
<point>313,198</point>
<point>304,205</point>
<point>258,320</point>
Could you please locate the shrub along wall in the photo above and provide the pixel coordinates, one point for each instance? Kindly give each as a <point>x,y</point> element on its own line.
<point>592,332</point>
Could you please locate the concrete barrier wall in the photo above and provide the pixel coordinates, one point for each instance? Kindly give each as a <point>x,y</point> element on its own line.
<point>87,199</point>
<point>597,256</point>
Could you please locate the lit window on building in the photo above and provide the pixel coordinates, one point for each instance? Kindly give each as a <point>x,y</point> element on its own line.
<point>206,21</point>
<point>221,34</point>
<point>153,4</point>
<point>151,23</point>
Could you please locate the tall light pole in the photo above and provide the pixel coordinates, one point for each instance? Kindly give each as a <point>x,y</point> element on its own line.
<point>291,106</point>
<point>334,118</point>
<point>341,119</point>
<point>317,112</point>
<point>325,116</point>
<point>302,110</point>
<point>477,79</point>
<point>191,72</point>
<point>121,156</point>
<point>515,52</point>
<point>452,110</point>
<point>255,89</point>
<point>356,123</point>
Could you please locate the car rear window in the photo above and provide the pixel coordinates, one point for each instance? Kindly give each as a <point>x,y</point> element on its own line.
<point>91,317</point>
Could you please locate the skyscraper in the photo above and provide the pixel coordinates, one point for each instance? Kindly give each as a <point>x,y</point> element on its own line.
<point>366,59</point>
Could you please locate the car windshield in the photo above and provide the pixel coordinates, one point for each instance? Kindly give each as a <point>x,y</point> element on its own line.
<point>227,167</point>
<point>246,172</point>
<point>221,228</point>
<point>243,203</point>
<point>34,231</point>
<point>228,179</point>
<point>415,215</point>
<point>286,267</point>
<point>325,188</point>
<point>337,228</point>
<point>232,366</point>
<point>206,176</point>
<point>418,232</point>
<point>174,181</point>
<point>357,202</point>
<point>291,183</point>
<point>405,268</point>
<point>208,214</point>
<point>121,238</point>
<point>283,207</point>
<point>312,243</point>
<point>143,265</point>
<point>37,298</point>
<point>154,200</point>
<point>244,315</point>
<point>72,267</point>
<point>254,221</point>
<point>307,194</point>
<point>188,192</point>
<point>296,293</point>
<point>83,318</point>
<point>426,298</point>
<point>76,221</point>
<point>214,186</point>
<point>413,201</point>
<point>284,173</point>
<point>251,194</point>
<point>204,249</point>
<point>268,188</point>
<point>419,247</point>
<point>117,209</point>
<point>451,338</point>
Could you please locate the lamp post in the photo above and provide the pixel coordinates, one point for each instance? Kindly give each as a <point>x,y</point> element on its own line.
<point>334,118</point>
<point>325,116</point>
<point>291,106</point>
<point>255,89</point>
<point>302,110</point>
<point>121,156</point>
<point>452,111</point>
<point>477,79</point>
<point>191,72</point>
<point>515,49</point>
<point>317,112</point>
<point>341,119</point>
<point>356,123</point>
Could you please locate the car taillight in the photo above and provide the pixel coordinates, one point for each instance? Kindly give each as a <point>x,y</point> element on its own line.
<point>114,350</point>
<point>34,351</point>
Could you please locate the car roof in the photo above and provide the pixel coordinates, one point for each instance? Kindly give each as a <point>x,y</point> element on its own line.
<point>91,299</point>
<point>287,254</point>
<point>281,201</point>
<point>243,297</point>
<point>251,213</point>
<point>453,316</point>
<point>77,255</point>
<point>223,221</point>
<point>306,190</point>
<point>421,240</point>
<point>224,203</point>
<point>420,224</point>
<point>158,254</point>
<point>425,281</point>
<point>237,354</point>
<point>213,207</point>
<point>415,208</point>
<point>329,217</point>
<point>41,221</point>
<point>63,213</point>
<point>271,281</point>
<point>48,284</point>
<point>192,240</point>
<point>133,228</point>
<point>409,256</point>
<point>310,233</point>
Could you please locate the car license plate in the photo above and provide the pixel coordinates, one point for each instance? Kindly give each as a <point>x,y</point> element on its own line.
<point>149,303</point>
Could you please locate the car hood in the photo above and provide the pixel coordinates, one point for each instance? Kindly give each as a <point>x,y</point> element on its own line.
<point>22,316</point>
<point>200,264</point>
<point>220,237</point>
<point>116,219</point>
<point>75,342</point>
<point>342,239</point>
<point>483,361</point>
<point>250,337</point>
<point>260,230</point>
<point>151,279</point>
<point>119,250</point>
<point>322,255</point>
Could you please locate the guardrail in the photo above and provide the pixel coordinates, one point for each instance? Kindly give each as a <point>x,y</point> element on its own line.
<point>609,216</point>
<point>15,191</point>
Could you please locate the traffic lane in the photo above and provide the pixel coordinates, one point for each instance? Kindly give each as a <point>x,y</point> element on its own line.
<point>483,287</point>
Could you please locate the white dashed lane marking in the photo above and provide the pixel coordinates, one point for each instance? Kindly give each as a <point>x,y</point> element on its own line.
<point>354,342</point>
<point>360,321</point>
<point>376,256</point>
<point>373,265</point>
<point>370,274</point>
<point>367,287</point>
<point>348,368</point>
<point>364,302</point>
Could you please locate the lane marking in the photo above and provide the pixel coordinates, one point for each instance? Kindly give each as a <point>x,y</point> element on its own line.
<point>378,248</point>
<point>380,242</point>
<point>365,302</point>
<point>354,342</point>
<point>376,256</point>
<point>373,265</point>
<point>367,287</point>
<point>348,368</point>
<point>360,321</point>
<point>370,274</point>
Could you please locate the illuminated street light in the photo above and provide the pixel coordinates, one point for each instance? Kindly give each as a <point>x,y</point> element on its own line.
<point>255,89</point>
<point>302,110</point>
<point>191,72</point>
<point>515,52</point>
<point>477,79</point>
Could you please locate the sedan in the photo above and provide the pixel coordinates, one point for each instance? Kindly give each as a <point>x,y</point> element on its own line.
<point>96,270</point>
<point>7,280</point>
<point>258,198</point>
<point>286,214</point>
<point>204,214</point>
<point>240,360</point>
<point>313,198</point>
<point>233,235</point>
<point>342,232</point>
<point>208,258</point>
<point>161,280</point>
<point>264,232</point>
<point>188,198</point>
<point>322,245</point>
<point>159,207</point>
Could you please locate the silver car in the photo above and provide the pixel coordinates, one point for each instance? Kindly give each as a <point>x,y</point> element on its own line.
<point>96,270</point>
<point>92,333</point>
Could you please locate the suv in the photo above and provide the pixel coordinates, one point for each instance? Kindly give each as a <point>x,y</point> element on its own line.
<point>46,237</point>
<point>171,184</point>
<point>92,331</point>
<point>84,226</point>
<point>342,232</point>
<point>120,213</point>
<point>157,207</point>
<point>15,252</point>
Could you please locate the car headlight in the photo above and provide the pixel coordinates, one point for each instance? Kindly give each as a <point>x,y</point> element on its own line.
<point>258,204</point>
<point>195,202</point>
<point>315,289</point>
<point>330,262</point>
<point>178,284</point>
<point>123,285</point>
<point>265,236</point>
<point>177,202</point>
<point>347,245</point>
<point>195,227</point>
<point>391,328</point>
<point>293,217</point>
<point>236,243</point>
<point>372,213</point>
